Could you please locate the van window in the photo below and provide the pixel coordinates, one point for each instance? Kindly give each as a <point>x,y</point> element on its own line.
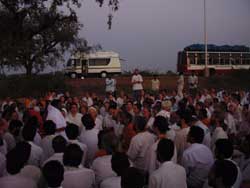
<point>98,62</point>
<point>73,62</point>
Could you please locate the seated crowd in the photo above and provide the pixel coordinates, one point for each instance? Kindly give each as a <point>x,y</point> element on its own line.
<point>160,141</point>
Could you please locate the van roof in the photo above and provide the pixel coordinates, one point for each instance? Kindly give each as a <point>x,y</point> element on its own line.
<point>98,54</point>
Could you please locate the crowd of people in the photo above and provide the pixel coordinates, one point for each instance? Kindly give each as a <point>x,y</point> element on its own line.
<point>196,138</point>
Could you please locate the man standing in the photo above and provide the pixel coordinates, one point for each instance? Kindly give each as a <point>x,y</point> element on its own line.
<point>137,85</point>
<point>110,85</point>
<point>192,84</point>
<point>155,84</point>
<point>169,174</point>
<point>180,85</point>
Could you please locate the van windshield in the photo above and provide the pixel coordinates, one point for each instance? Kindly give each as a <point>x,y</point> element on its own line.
<point>73,62</point>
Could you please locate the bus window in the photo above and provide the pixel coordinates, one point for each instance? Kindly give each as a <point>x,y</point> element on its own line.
<point>99,62</point>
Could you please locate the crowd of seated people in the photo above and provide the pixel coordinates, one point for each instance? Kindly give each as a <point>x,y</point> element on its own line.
<point>161,140</point>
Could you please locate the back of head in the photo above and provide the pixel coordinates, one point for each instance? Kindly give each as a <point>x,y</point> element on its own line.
<point>15,127</point>
<point>140,123</point>
<point>72,155</point>
<point>53,173</point>
<point>161,124</point>
<point>196,135</point>
<point>17,157</point>
<point>224,149</point>
<point>223,174</point>
<point>88,122</point>
<point>59,144</point>
<point>132,178</point>
<point>29,132</point>
<point>49,127</point>
<point>72,131</point>
<point>165,150</point>
<point>119,163</point>
<point>108,141</point>
<point>32,121</point>
<point>202,114</point>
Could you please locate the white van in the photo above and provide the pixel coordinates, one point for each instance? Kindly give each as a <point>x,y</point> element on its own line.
<point>96,63</point>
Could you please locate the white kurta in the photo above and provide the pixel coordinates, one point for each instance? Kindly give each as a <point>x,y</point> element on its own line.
<point>138,148</point>
<point>169,175</point>
<point>17,181</point>
<point>46,145</point>
<point>36,155</point>
<point>90,138</point>
<point>151,158</point>
<point>78,178</point>
<point>102,168</point>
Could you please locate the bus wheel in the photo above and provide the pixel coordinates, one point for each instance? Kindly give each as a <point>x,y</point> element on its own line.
<point>104,74</point>
<point>73,75</point>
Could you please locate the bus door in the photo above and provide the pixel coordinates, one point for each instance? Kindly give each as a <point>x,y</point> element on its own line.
<point>84,67</point>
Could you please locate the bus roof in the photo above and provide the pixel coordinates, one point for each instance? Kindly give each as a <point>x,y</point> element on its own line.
<point>97,54</point>
<point>215,48</point>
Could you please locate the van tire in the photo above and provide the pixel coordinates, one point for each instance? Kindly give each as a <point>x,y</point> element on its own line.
<point>73,75</point>
<point>104,74</point>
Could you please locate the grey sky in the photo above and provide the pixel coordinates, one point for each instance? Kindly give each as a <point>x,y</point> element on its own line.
<point>149,33</point>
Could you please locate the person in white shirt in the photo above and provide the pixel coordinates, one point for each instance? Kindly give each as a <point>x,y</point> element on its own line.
<point>160,128</point>
<point>110,85</point>
<point>169,174</point>
<point>90,138</point>
<point>155,84</point>
<point>217,120</point>
<point>207,136</point>
<point>197,159</point>
<point>53,173</point>
<point>140,144</point>
<point>16,159</point>
<point>180,85</point>
<point>74,116</point>
<point>181,135</point>
<point>137,85</point>
<point>107,143</point>
<point>12,134</point>
<point>97,118</point>
<point>36,155</point>
<point>223,174</point>
<point>224,151</point>
<point>46,143</point>
<point>72,133</point>
<point>166,108</point>
<point>119,163</point>
<point>75,175</point>
<point>146,112</point>
<point>59,144</point>
<point>56,116</point>
<point>192,84</point>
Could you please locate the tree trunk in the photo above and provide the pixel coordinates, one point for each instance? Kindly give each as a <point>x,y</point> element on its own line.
<point>28,70</point>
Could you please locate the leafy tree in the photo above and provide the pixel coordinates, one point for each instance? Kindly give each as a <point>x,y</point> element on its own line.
<point>37,33</point>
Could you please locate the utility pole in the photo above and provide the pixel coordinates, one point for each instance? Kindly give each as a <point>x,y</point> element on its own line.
<point>206,70</point>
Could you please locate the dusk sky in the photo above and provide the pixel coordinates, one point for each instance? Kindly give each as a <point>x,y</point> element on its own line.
<point>149,33</point>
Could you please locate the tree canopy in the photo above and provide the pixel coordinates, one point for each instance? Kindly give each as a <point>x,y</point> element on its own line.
<point>37,33</point>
